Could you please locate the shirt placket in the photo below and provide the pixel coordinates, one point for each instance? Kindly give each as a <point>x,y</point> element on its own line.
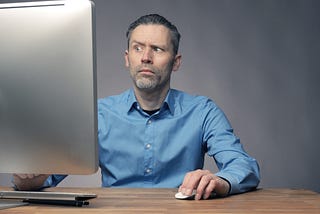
<point>148,150</point>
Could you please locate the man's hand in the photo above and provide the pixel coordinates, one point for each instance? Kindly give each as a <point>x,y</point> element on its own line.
<point>29,181</point>
<point>204,182</point>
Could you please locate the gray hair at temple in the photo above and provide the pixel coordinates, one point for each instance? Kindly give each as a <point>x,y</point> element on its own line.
<point>160,20</point>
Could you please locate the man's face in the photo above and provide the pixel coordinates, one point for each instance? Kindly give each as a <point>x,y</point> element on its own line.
<point>150,57</point>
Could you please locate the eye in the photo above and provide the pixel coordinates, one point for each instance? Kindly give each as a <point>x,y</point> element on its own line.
<point>137,48</point>
<point>157,49</point>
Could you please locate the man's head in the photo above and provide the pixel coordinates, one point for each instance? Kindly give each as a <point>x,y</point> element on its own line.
<point>151,55</point>
<point>156,19</point>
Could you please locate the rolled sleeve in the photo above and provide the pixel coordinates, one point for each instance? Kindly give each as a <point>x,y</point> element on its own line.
<point>53,180</point>
<point>242,177</point>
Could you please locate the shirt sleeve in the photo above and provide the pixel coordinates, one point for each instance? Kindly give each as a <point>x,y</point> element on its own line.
<point>234,164</point>
<point>53,180</point>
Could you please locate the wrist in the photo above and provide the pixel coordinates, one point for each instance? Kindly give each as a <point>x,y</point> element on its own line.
<point>225,187</point>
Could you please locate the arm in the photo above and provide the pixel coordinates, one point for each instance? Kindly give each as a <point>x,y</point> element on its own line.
<point>234,163</point>
<point>29,181</point>
<point>36,181</point>
<point>238,172</point>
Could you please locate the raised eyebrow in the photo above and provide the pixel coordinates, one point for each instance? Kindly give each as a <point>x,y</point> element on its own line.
<point>137,43</point>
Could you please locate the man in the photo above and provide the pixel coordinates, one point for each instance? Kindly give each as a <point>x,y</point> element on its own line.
<point>156,136</point>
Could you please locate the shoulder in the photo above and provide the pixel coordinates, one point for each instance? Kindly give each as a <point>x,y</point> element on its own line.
<point>200,108</point>
<point>184,100</point>
<point>115,102</point>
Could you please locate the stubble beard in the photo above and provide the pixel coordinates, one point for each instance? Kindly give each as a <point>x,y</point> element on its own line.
<point>151,82</point>
<point>146,82</point>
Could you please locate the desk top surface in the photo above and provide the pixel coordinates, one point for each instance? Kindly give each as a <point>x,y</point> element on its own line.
<point>123,200</point>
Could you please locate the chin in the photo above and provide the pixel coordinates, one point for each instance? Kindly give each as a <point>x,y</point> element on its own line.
<point>145,84</point>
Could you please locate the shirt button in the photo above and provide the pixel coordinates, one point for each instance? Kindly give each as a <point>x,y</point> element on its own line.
<point>148,171</point>
<point>148,146</point>
<point>149,122</point>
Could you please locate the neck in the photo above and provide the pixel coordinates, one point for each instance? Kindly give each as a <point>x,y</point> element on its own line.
<point>150,100</point>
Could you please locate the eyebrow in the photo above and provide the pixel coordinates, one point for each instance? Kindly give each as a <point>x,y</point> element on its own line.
<point>137,42</point>
<point>152,45</point>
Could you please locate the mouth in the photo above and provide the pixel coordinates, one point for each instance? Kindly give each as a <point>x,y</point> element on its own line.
<point>146,71</point>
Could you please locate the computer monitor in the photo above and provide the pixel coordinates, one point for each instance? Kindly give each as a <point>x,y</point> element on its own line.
<point>48,121</point>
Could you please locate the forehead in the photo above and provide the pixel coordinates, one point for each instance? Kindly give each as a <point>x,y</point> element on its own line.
<point>151,33</point>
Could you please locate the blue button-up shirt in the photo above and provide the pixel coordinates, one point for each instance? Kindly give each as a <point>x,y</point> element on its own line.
<point>141,150</point>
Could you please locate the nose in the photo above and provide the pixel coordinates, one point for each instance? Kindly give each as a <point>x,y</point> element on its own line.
<point>147,56</point>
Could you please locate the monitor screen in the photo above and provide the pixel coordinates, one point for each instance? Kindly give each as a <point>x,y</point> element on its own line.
<point>48,121</point>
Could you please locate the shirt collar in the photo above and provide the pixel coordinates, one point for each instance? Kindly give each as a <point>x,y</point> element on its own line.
<point>131,101</point>
<point>168,102</point>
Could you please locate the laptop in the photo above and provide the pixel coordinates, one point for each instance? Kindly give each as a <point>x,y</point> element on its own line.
<point>56,198</point>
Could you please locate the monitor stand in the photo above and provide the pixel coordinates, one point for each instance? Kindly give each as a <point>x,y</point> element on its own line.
<point>5,204</point>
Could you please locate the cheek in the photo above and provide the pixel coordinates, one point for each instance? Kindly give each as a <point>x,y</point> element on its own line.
<point>132,61</point>
<point>161,63</point>
<point>167,65</point>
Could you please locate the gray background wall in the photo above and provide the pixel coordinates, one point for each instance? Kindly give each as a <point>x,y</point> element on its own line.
<point>258,59</point>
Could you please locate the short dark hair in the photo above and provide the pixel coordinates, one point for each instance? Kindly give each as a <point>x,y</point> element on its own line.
<point>160,20</point>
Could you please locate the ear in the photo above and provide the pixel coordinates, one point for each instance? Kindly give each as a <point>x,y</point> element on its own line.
<point>126,58</point>
<point>177,62</point>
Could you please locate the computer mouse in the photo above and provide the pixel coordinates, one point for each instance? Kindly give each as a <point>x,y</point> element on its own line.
<point>181,196</point>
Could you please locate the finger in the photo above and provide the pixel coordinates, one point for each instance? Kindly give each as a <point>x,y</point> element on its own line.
<point>30,176</point>
<point>26,176</point>
<point>185,183</point>
<point>20,176</point>
<point>193,180</point>
<point>203,185</point>
<point>218,185</point>
<point>210,188</point>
